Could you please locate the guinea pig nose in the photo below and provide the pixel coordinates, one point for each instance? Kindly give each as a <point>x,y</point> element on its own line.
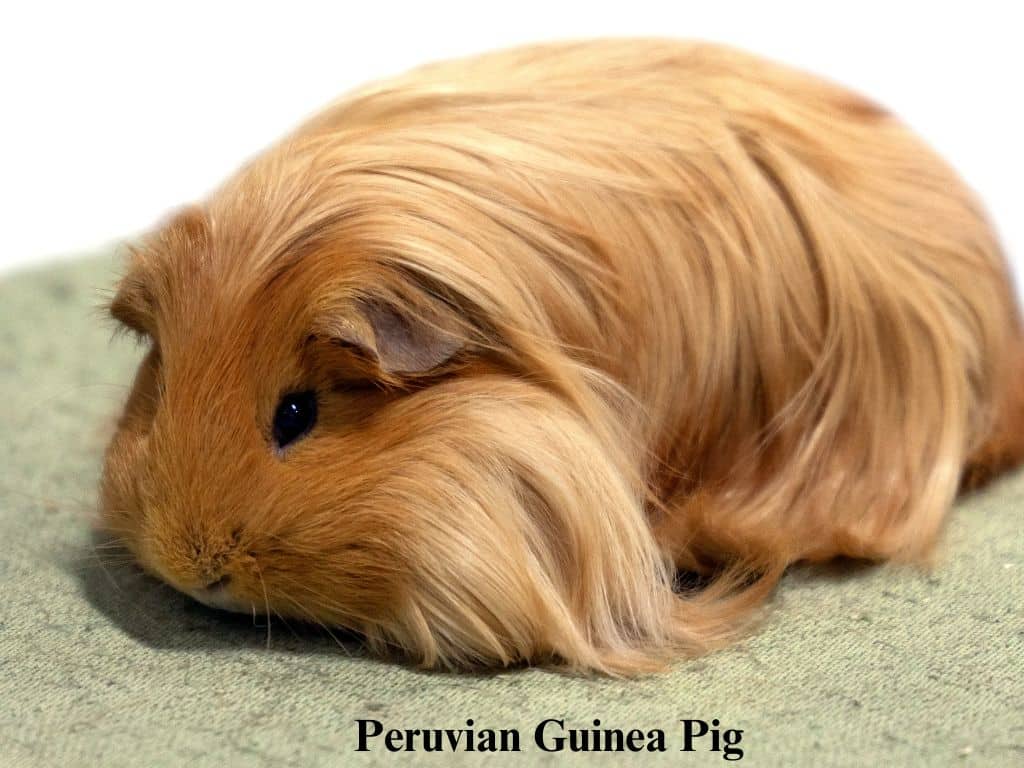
<point>223,581</point>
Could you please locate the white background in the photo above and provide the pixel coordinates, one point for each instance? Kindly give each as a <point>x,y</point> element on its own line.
<point>111,115</point>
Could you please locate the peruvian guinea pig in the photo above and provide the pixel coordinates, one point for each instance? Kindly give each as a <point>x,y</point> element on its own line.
<point>477,360</point>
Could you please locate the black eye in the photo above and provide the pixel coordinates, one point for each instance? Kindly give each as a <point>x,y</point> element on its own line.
<point>294,417</point>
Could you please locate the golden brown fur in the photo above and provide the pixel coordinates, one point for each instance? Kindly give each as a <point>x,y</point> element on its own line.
<point>662,305</point>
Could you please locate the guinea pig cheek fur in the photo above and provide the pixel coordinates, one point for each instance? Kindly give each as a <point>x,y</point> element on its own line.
<point>525,537</point>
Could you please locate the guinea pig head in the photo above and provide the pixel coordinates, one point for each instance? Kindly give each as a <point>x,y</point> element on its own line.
<point>246,443</point>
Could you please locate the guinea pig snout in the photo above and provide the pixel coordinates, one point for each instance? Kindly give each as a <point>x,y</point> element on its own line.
<point>209,558</point>
<point>208,566</point>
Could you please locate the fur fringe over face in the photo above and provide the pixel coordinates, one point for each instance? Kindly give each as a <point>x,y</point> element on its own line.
<point>574,317</point>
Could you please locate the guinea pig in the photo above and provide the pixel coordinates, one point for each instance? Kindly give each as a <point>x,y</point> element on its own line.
<point>475,361</point>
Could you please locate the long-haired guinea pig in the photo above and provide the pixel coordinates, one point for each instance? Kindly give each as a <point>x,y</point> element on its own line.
<point>477,360</point>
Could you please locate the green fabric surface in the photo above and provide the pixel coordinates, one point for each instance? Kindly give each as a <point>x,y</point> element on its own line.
<point>102,666</point>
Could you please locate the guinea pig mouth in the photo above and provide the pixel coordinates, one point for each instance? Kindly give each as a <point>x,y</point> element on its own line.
<point>219,596</point>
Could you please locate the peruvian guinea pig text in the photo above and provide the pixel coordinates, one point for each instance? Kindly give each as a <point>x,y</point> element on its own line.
<point>475,360</point>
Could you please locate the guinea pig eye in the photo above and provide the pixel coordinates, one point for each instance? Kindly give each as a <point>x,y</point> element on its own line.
<point>294,417</point>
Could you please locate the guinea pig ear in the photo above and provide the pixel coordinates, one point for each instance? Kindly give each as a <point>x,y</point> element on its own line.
<point>132,305</point>
<point>397,342</point>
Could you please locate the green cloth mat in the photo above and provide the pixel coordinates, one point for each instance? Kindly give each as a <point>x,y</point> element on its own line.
<point>854,666</point>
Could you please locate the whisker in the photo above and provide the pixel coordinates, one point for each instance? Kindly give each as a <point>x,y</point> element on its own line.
<point>50,501</point>
<point>120,544</point>
<point>50,399</point>
<point>284,621</point>
<point>266,602</point>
